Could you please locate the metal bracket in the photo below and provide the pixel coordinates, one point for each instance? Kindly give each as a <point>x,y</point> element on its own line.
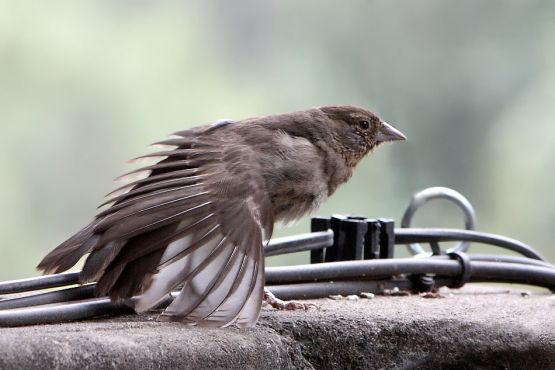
<point>354,238</point>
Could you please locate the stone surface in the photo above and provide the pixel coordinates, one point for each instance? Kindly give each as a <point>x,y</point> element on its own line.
<point>467,329</point>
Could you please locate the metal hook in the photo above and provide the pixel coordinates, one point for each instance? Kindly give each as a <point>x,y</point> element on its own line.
<point>423,197</point>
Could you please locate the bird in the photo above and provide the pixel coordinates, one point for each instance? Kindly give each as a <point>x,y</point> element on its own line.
<point>198,217</point>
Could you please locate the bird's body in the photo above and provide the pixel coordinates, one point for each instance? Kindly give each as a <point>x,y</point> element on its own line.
<point>200,216</point>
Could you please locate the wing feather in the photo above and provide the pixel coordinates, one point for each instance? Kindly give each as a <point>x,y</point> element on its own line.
<point>166,166</point>
<point>198,220</point>
<point>155,186</point>
<point>190,173</point>
<point>134,200</point>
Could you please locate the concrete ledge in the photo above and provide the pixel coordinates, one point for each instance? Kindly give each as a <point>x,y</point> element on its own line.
<point>466,329</point>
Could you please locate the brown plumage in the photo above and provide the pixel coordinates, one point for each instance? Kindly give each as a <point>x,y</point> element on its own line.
<point>200,216</point>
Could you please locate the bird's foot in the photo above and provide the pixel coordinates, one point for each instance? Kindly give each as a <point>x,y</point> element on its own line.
<point>278,304</point>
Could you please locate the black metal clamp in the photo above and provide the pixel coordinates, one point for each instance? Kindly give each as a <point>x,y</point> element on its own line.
<point>354,238</point>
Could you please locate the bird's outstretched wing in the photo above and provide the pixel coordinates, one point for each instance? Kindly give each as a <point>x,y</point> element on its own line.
<point>197,221</point>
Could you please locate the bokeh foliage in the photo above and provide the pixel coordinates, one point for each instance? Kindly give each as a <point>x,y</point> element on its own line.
<point>85,85</point>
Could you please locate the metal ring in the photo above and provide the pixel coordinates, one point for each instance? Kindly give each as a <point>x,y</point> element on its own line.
<point>466,271</point>
<point>424,196</point>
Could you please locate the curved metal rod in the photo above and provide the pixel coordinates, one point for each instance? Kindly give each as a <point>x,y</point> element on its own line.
<point>38,283</point>
<point>426,195</point>
<point>371,269</point>
<point>73,311</point>
<point>502,272</point>
<point>299,243</point>
<point>60,312</point>
<point>366,269</point>
<point>322,289</point>
<point>62,295</point>
<point>425,235</point>
<point>508,259</point>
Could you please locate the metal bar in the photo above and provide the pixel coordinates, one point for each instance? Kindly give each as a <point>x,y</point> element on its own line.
<point>63,295</point>
<point>299,243</point>
<point>415,235</point>
<point>60,312</point>
<point>503,272</point>
<point>372,269</point>
<point>360,270</point>
<point>65,312</point>
<point>507,259</point>
<point>38,283</point>
<point>324,289</point>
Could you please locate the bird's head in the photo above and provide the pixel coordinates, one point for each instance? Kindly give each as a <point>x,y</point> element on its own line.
<point>356,131</point>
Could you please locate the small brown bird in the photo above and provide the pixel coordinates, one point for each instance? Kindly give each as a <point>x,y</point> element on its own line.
<point>198,218</point>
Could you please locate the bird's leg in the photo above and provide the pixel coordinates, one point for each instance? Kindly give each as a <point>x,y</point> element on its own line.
<point>278,304</point>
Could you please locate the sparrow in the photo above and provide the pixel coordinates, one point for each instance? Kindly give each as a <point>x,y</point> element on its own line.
<point>199,216</point>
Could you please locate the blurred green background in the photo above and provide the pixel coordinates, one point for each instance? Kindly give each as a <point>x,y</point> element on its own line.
<point>85,85</point>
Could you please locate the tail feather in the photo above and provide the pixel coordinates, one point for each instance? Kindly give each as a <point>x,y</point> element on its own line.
<point>133,278</point>
<point>70,252</point>
<point>98,261</point>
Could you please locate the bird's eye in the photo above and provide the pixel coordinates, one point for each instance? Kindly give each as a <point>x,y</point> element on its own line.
<point>364,124</point>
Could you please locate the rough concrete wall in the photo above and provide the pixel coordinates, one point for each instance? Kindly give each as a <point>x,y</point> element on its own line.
<point>468,329</point>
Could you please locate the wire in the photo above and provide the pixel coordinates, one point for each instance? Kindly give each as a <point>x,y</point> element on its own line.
<point>415,235</point>
<point>38,283</point>
<point>508,259</point>
<point>360,269</point>
<point>305,281</point>
<point>322,289</point>
<point>63,295</point>
<point>371,269</point>
<point>299,243</point>
<point>304,242</point>
<point>277,246</point>
<point>60,313</point>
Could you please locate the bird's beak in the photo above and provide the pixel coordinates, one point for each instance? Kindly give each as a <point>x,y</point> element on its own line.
<point>389,133</point>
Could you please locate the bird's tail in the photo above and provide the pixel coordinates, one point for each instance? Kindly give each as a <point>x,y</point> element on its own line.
<point>70,252</point>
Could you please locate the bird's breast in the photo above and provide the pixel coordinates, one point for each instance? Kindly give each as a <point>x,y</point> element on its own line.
<point>295,175</point>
